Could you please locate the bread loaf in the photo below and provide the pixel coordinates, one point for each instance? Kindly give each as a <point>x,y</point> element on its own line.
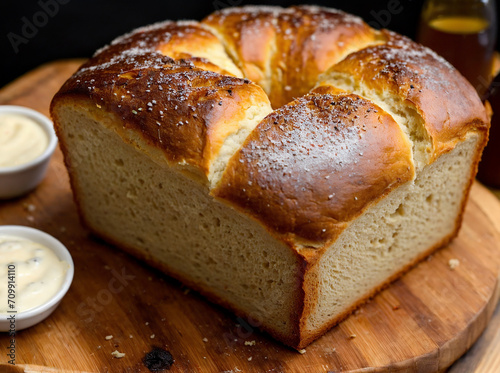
<point>292,216</point>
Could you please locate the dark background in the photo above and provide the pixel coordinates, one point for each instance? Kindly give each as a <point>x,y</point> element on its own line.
<point>76,28</point>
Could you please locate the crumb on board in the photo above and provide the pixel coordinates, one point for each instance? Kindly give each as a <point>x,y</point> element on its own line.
<point>108,337</point>
<point>250,358</point>
<point>117,354</point>
<point>146,323</point>
<point>131,336</point>
<point>358,311</point>
<point>205,340</point>
<point>453,263</point>
<point>249,343</point>
<point>29,207</point>
<point>302,351</point>
<point>152,336</point>
<point>352,336</point>
<point>30,218</point>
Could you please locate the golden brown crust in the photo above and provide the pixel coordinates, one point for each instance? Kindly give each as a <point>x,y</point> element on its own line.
<point>178,40</point>
<point>285,49</point>
<point>448,104</point>
<point>309,41</point>
<point>315,164</point>
<point>249,35</point>
<point>174,105</point>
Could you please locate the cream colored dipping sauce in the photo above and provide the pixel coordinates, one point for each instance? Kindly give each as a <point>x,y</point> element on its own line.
<point>38,273</point>
<point>22,139</point>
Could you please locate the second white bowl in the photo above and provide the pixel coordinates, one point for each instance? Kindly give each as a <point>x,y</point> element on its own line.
<point>20,179</point>
<point>30,317</point>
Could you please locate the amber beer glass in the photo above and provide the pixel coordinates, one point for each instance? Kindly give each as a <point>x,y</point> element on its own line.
<point>464,33</point>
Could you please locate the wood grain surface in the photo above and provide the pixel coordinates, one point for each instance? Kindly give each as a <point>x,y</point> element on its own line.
<point>422,322</point>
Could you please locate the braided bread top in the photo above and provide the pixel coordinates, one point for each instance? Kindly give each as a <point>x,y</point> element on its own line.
<point>371,109</point>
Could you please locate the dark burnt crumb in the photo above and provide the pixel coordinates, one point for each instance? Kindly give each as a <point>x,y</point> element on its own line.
<point>230,92</point>
<point>158,360</point>
<point>397,307</point>
<point>411,86</point>
<point>220,103</point>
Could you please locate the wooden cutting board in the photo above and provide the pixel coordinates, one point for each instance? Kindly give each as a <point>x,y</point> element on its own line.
<point>423,322</point>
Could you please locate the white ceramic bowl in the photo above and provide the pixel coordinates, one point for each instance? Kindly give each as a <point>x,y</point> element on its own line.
<point>20,179</point>
<point>30,317</point>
